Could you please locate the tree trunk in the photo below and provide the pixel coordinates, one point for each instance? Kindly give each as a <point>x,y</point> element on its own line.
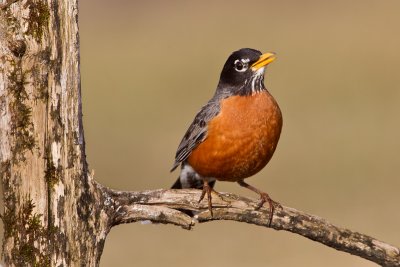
<point>53,212</point>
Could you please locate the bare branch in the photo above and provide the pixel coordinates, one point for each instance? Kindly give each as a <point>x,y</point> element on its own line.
<point>164,206</point>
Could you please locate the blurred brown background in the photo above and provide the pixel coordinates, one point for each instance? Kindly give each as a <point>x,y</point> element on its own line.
<point>147,68</point>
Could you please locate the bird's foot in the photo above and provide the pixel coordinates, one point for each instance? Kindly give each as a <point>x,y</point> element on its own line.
<point>207,189</point>
<point>221,196</point>
<point>264,197</point>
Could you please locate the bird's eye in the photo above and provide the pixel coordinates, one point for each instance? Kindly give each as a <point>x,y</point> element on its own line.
<point>241,66</point>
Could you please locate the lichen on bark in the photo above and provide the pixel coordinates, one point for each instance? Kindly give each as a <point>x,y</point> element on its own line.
<point>21,123</point>
<point>26,229</point>
<point>38,19</point>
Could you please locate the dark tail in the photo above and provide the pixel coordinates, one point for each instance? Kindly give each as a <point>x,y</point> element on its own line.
<point>177,184</point>
<point>190,183</point>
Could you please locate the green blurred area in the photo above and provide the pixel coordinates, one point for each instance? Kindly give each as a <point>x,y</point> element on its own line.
<point>148,68</point>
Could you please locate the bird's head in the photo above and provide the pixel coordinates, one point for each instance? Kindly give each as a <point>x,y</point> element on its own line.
<point>243,72</point>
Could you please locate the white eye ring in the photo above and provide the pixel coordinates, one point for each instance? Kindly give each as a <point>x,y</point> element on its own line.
<point>241,65</point>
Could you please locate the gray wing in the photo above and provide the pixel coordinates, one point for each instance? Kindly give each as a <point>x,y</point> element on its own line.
<point>197,131</point>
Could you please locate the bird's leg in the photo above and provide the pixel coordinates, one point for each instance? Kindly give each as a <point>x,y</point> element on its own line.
<point>264,197</point>
<point>207,188</point>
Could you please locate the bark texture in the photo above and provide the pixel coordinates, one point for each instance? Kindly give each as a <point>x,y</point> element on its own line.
<point>161,206</point>
<point>51,216</point>
<point>55,213</point>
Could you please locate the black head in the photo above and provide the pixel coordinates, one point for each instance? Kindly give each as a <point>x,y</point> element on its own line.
<point>243,72</point>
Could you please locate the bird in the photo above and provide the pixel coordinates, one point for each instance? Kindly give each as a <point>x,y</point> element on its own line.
<point>235,134</point>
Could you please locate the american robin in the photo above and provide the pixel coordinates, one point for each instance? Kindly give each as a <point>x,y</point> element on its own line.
<point>236,133</point>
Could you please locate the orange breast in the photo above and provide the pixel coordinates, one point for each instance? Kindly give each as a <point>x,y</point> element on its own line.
<point>241,139</point>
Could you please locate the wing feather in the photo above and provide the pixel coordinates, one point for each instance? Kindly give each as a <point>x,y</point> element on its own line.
<point>197,131</point>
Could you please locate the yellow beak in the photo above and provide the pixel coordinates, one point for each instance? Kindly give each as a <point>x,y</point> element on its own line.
<point>264,60</point>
